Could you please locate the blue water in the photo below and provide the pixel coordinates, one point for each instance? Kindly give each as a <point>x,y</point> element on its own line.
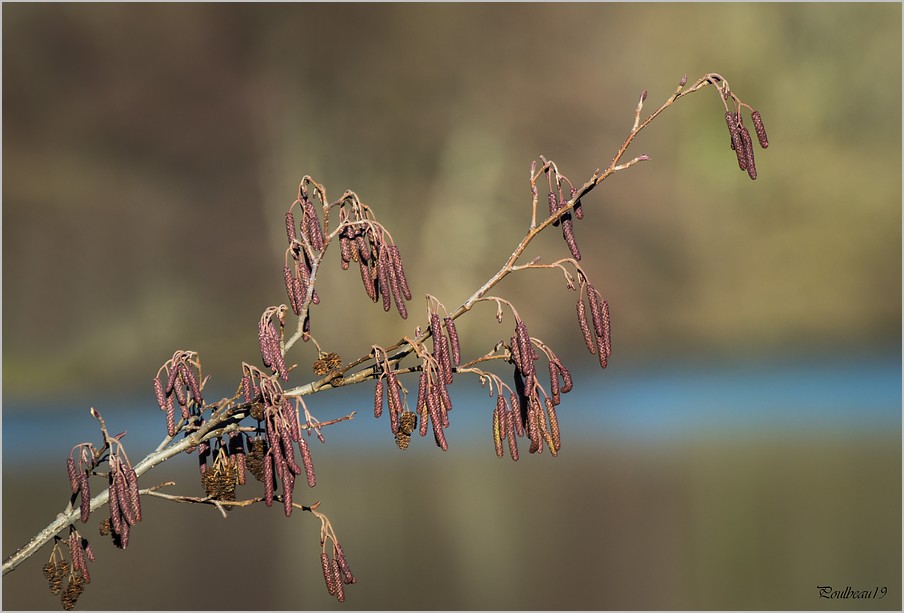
<point>653,403</point>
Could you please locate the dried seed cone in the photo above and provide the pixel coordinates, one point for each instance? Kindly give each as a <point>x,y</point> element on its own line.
<point>407,422</point>
<point>760,129</point>
<point>255,460</point>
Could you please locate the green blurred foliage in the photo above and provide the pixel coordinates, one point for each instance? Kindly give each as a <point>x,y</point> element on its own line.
<point>150,151</point>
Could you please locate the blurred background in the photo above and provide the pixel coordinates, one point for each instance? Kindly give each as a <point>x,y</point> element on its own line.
<point>742,448</point>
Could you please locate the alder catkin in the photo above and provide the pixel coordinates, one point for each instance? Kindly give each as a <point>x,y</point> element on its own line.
<point>453,341</point>
<point>585,327</point>
<point>290,227</point>
<point>760,129</point>
<point>73,475</point>
<point>396,259</point>
<point>378,398</point>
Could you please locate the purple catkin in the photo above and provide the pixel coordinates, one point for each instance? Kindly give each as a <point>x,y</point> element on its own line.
<point>378,398</point>
<point>607,328</point>
<point>397,296</point>
<point>240,467</point>
<point>525,348</point>
<point>74,483</point>
<point>396,259</point>
<point>760,129</point>
<point>554,382</point>
<point>116,521</point>
<point>134,496</point>
<point>122,494</point>
<point>553,206</point>
<point>264,343</point>
<point>269,486</point>
<point>578,208</point>
<point>435,330</point>
<point>182,398</point>
<point>433,403</point>
<point>290,416</point>
<point>170,416</point>
<point>568,235</point>
<point>288,487</point>
<point>189,377</point>
<point>567,382</point>
<point>731,119</point>
<point>748,152</point>
<point>516,415</point>
<point>596,312</point>
<point>363,248</point>
<point>288,451</point>
<point>453,341</point>
<point>327,568</point>
<point>383,278</point>
<point>446,360</point>
<point>367,280</point>
<point>306,462</point>
<point>603,356</point>
<point>246,388</point>
<point>347,576</point>
<point>337,579</point>
<point>289,280</point>
<point>510,420</point>
<point>421,391</point>
<point>395,398</point>
<point>85,493</point>
<point>159,395</point>
<point>171,379</point>
<point>500,409</point>
<point>290,227</point>
<point>314,231</point>
<point>88,553</point>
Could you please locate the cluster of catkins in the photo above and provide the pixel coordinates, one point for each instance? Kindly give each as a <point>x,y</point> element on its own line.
<point>269,336</point>
<point>433,399</point>
<point>125,502</point>
<point>304,237</point>
<point>78,469</point>
<point>366,242</point>
<point>273,456</point>
<point>523,413</point>
<point>336,572</point>
<point>599,315</point>
<point>180,380</point>
<point>741,142</point>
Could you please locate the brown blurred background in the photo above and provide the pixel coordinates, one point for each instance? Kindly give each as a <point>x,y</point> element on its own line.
<point>149,152</point>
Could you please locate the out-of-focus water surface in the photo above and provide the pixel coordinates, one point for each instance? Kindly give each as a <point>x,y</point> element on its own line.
<point>713,487</point>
